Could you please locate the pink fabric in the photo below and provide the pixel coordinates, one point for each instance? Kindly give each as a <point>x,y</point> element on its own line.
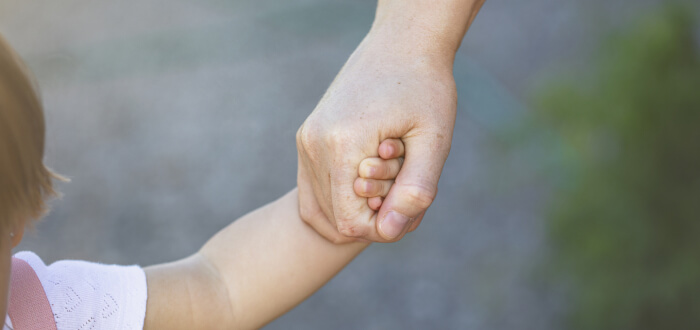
<point>29,308</point>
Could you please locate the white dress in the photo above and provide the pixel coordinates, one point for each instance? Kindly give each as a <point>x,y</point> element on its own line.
<point>85,295</point>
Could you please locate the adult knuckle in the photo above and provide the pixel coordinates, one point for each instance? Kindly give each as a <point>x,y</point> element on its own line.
<point>348,232</point>
<point>308,145</point>
<point>420,196</point>
<point>305,136</point>
<point>337,137</point>
<point>299,136</point>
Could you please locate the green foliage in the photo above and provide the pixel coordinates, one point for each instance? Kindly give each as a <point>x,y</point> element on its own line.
<point>625,225</point>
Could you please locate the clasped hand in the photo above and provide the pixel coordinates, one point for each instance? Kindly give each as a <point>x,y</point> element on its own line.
<point>405,99</point>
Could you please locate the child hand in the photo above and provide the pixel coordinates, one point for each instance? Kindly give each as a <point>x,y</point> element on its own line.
<point>377,174</point>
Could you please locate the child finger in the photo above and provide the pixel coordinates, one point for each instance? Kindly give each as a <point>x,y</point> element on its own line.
<point>380,169</point>
<point>372,188</point>
<point>391,148</point>
<point>375,203</point>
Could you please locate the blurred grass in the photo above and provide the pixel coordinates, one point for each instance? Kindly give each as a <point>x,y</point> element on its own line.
<point>623,220</point>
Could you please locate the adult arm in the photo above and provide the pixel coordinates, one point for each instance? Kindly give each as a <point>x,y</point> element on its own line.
<point>247,275</point>
<point>397,84</point>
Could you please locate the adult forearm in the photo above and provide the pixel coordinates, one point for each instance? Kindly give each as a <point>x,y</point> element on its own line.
<point>432,28</point>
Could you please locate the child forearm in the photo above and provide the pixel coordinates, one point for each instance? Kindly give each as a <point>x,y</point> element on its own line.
<point>250,272</point>
<point>270,261</point>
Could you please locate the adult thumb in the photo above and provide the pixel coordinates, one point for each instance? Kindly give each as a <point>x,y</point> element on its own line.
<point>415,187</point>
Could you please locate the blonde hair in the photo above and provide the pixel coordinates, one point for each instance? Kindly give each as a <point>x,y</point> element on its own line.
<point>25,182</point>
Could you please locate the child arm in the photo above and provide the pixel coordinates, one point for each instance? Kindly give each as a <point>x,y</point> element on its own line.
<point>248,274</point>
<point>262,265</point>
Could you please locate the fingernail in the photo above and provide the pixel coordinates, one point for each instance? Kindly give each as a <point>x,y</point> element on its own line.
<point>393,224</point>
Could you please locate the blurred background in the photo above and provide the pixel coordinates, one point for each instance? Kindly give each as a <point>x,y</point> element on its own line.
<point>568,201</point>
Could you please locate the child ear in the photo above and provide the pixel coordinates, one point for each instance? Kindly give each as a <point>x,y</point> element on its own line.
<point>17,233</point>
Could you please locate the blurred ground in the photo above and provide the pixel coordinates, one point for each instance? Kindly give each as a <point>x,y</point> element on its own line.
<point>175,117</point>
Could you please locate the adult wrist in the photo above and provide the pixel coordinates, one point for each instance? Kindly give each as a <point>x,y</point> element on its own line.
<point>426,28</point>
<point>410,45</point>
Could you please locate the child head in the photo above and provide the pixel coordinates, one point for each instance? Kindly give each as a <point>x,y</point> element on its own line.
<point>24,180</point>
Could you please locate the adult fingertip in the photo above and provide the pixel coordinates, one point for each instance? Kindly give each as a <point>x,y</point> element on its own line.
<point>362,187</point>
<point>391,148</point>
<point>365,169</point>
<point>386,149</point>
<point>375,203</point>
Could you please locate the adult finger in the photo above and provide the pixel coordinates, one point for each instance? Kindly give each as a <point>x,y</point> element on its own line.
<point>311,213</point>
<point>380,169</point>
<point>391,148</point>
<point>372,188</point>
<point>375,203</point>
<point>353,216</point>
<point>416,185</point>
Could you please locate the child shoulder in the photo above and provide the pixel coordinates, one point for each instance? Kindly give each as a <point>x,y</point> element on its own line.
<point>81,292</point>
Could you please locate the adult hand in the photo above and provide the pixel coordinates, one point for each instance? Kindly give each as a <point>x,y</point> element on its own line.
<point>397,84</point>
<point>379,94</point>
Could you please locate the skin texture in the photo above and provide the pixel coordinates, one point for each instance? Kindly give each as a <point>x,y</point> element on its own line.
<point>397,84</point>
